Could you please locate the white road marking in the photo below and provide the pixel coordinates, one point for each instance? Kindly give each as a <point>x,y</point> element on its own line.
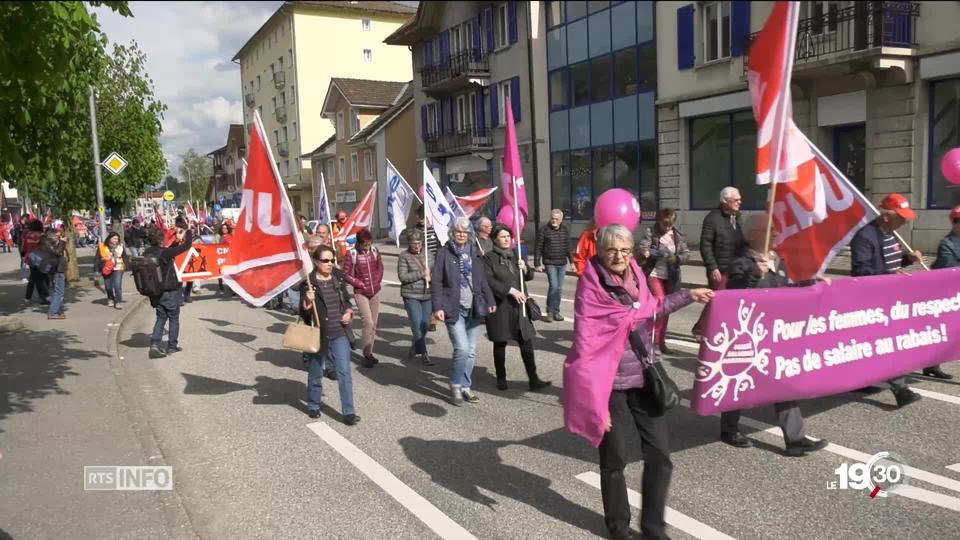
<point>676,519</point>
<point>930,497</point>
<point>426,512</point>
<point>946,398</point>
<point>954,467</point>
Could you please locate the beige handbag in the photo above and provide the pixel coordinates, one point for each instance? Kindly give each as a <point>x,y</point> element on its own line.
<point>301,337</point>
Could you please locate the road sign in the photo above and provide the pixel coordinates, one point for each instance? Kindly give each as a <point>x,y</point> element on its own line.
<point>168,196</point>
<point>115,163</point>
<point>100,209</point>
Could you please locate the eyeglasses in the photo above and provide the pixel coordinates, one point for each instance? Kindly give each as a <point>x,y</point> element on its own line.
<point>325,261</point>
<point>623,252</point>
<point>457,231</point>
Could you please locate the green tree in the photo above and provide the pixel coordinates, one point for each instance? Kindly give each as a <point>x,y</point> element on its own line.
<point>195,173</point>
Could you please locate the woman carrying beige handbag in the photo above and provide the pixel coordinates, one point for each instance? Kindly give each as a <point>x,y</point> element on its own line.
<point>331,304</point>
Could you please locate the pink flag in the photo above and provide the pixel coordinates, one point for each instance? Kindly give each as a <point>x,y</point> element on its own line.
<point>188,212</point>
<point>473,202</point>
<point>513,212</point>
<point>360,217</point>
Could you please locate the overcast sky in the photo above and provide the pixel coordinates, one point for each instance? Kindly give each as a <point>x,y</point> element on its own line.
<point>189,46</point>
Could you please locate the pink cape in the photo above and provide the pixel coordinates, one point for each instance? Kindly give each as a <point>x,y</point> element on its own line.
<point>601,328</point>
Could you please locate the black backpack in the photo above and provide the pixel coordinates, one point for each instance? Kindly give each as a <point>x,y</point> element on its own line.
<point>148,277</point>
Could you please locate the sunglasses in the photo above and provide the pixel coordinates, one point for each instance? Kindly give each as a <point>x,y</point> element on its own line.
<point>325,261</point>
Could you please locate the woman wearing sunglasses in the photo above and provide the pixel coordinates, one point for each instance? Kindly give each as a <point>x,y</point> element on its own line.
<point>336,336</point>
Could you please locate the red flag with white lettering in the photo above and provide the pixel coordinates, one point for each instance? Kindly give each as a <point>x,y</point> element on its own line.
<point>268,254</point>
<point>360,217</point>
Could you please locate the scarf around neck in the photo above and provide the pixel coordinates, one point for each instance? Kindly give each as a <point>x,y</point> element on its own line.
<point>465,260</point>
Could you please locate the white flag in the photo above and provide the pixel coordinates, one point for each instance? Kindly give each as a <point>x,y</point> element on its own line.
<point>400,197</point>
<point>323,203</point>
<point>438,210</point>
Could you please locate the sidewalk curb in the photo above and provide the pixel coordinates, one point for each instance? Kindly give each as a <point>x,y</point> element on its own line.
<point>175,515</point>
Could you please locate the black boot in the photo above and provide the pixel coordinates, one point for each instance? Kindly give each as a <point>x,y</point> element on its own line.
<point>537,384</point>
<point>935,371</point>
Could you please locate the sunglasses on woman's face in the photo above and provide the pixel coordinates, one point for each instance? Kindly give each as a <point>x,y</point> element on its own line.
<point>325,261</point>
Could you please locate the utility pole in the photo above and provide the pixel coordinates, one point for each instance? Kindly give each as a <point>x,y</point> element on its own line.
<point>189,180</point>
<point>96,162</point>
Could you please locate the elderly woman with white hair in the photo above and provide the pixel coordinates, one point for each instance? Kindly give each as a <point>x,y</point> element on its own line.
<point>461,298</point>
<point>607,388</point>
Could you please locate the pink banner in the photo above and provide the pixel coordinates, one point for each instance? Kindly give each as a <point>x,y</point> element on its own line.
<point>764,346</point>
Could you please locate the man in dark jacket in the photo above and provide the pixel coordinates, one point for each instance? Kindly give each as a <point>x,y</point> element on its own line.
<point>875,251</point>
<point>167,305</point>
<point>54,251</point>
<point>720,238</point>
<point>134,237</point>
<point>552,252</point>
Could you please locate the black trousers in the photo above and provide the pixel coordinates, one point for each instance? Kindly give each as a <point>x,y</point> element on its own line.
<point>789,419</point>
<point>39,280</point>
<point>629,409</point>
<point>526,353</point>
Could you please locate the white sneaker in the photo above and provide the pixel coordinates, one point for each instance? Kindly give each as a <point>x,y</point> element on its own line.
<point>457,394</point>
<point>469,396</point>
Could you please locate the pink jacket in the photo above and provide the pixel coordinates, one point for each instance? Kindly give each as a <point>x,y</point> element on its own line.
<point>364,271</point>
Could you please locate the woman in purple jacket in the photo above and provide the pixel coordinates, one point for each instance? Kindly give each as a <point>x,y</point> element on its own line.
<point>363,269</point>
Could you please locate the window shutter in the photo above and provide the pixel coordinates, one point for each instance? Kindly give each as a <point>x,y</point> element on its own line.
<point>423,121</point>
<point>481,117</point>
<point>515,99</point>
<point>476,37</point>
<point>437,117</point>
<point>685,56</point>
<point>739,27</point>
<point>442,115</point>
<point>494,107</point>
<point>489,28</point>
<point>428,53</point>
<point>512,21</point>
<point>444,46</point>
<point>449,103</point>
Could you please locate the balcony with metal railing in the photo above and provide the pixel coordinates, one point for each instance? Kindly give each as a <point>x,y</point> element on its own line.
<point>459,71</point>
<point>283,148</point>
<point>281,114</point>
<point>461,140</point>
<point>250,99</point>
<point>861,31</point>
<point>278,79</point>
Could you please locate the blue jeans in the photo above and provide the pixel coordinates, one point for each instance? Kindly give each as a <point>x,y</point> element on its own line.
<point>338,354</point>
<point>168,309</point>
<point>555,275</point>
<point>464,334</point>
<point>419,312</point>
<point>114,285</point>
<point>56,295</point>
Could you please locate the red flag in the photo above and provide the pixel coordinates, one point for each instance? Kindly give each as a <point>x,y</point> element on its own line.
<point>514,196</point>
<point>268,254</point>
<point>472,203</point>
<point>158,218</point>
<point>48,219</point>
<point>360,217</point>
<point>188,212</point>
<point>770,63</point>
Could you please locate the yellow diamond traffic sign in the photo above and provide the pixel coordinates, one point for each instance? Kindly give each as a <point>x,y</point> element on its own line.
<point>115,163</point>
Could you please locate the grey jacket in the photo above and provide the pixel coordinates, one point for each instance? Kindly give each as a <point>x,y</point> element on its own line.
<point>410,272</point>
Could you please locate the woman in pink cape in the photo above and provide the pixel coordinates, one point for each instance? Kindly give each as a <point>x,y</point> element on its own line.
<point>603,378</point>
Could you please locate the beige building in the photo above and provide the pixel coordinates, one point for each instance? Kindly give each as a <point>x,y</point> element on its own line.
<point>470,59</point>
<point>224,187</point>
<point>373,121</point>
<point>876,86</point>
<point>287,65</point>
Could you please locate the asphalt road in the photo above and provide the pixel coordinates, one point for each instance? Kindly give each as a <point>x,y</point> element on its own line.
<point>228,415</point>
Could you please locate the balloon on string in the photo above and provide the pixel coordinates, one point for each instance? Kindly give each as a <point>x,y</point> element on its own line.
<point>950,166</point>
<point>617,206</point>
<point>505,216</point>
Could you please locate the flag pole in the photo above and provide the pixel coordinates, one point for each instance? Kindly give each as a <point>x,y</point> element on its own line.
<point>516,227</point>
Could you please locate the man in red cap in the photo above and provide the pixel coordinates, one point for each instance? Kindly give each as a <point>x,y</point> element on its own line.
<point>948,256</point>
<point>875,251</point>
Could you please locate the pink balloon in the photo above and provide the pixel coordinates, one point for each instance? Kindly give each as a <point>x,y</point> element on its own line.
<point>617,206</point>
<point>505,216</point>
<point>950,166</point>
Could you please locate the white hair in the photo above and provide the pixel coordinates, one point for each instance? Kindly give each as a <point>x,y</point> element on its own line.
<point>462,223</point>
<point>728,193</point>
<point>484,221</point>
<point>557,211</point>
<point>608,234</point>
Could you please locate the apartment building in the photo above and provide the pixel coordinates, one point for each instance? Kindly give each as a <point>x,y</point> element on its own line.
<point>287,65</point>
<point>876,86</point>
<point>470,59</point>
<point>227,180</point>
<point>373,121</point>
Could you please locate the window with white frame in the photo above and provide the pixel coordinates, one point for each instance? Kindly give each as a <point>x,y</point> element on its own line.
<point>284,134</point>
<point>467,36</point>
<point>354,121</point>
<point>455,43</point>
<point>340,132</point>
<point>472,114</point>
<point>365,24</point>
<point>503,96</point>
<point>283,98</point>
<point>343,171</point>
<point>368,164</point>
<point>500,26</point>
<point>354,166</point>
<point>824,16</point>
<point>432,118</point>
<point>716,30</point>
<point>293,94</point>
<point>461,114</point>
<point>294,131</point>
<point>367,55</point>
<point>331,172</point>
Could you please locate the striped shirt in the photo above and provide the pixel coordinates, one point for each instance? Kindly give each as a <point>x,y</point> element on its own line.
<point>328,290</point>
<point>892,256</point>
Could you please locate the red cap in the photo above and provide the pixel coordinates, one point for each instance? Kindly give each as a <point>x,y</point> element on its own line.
<point>899,204</point>
<point>955,213</point>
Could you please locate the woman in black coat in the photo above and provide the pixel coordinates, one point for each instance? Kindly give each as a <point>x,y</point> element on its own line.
<point>504,273</point>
